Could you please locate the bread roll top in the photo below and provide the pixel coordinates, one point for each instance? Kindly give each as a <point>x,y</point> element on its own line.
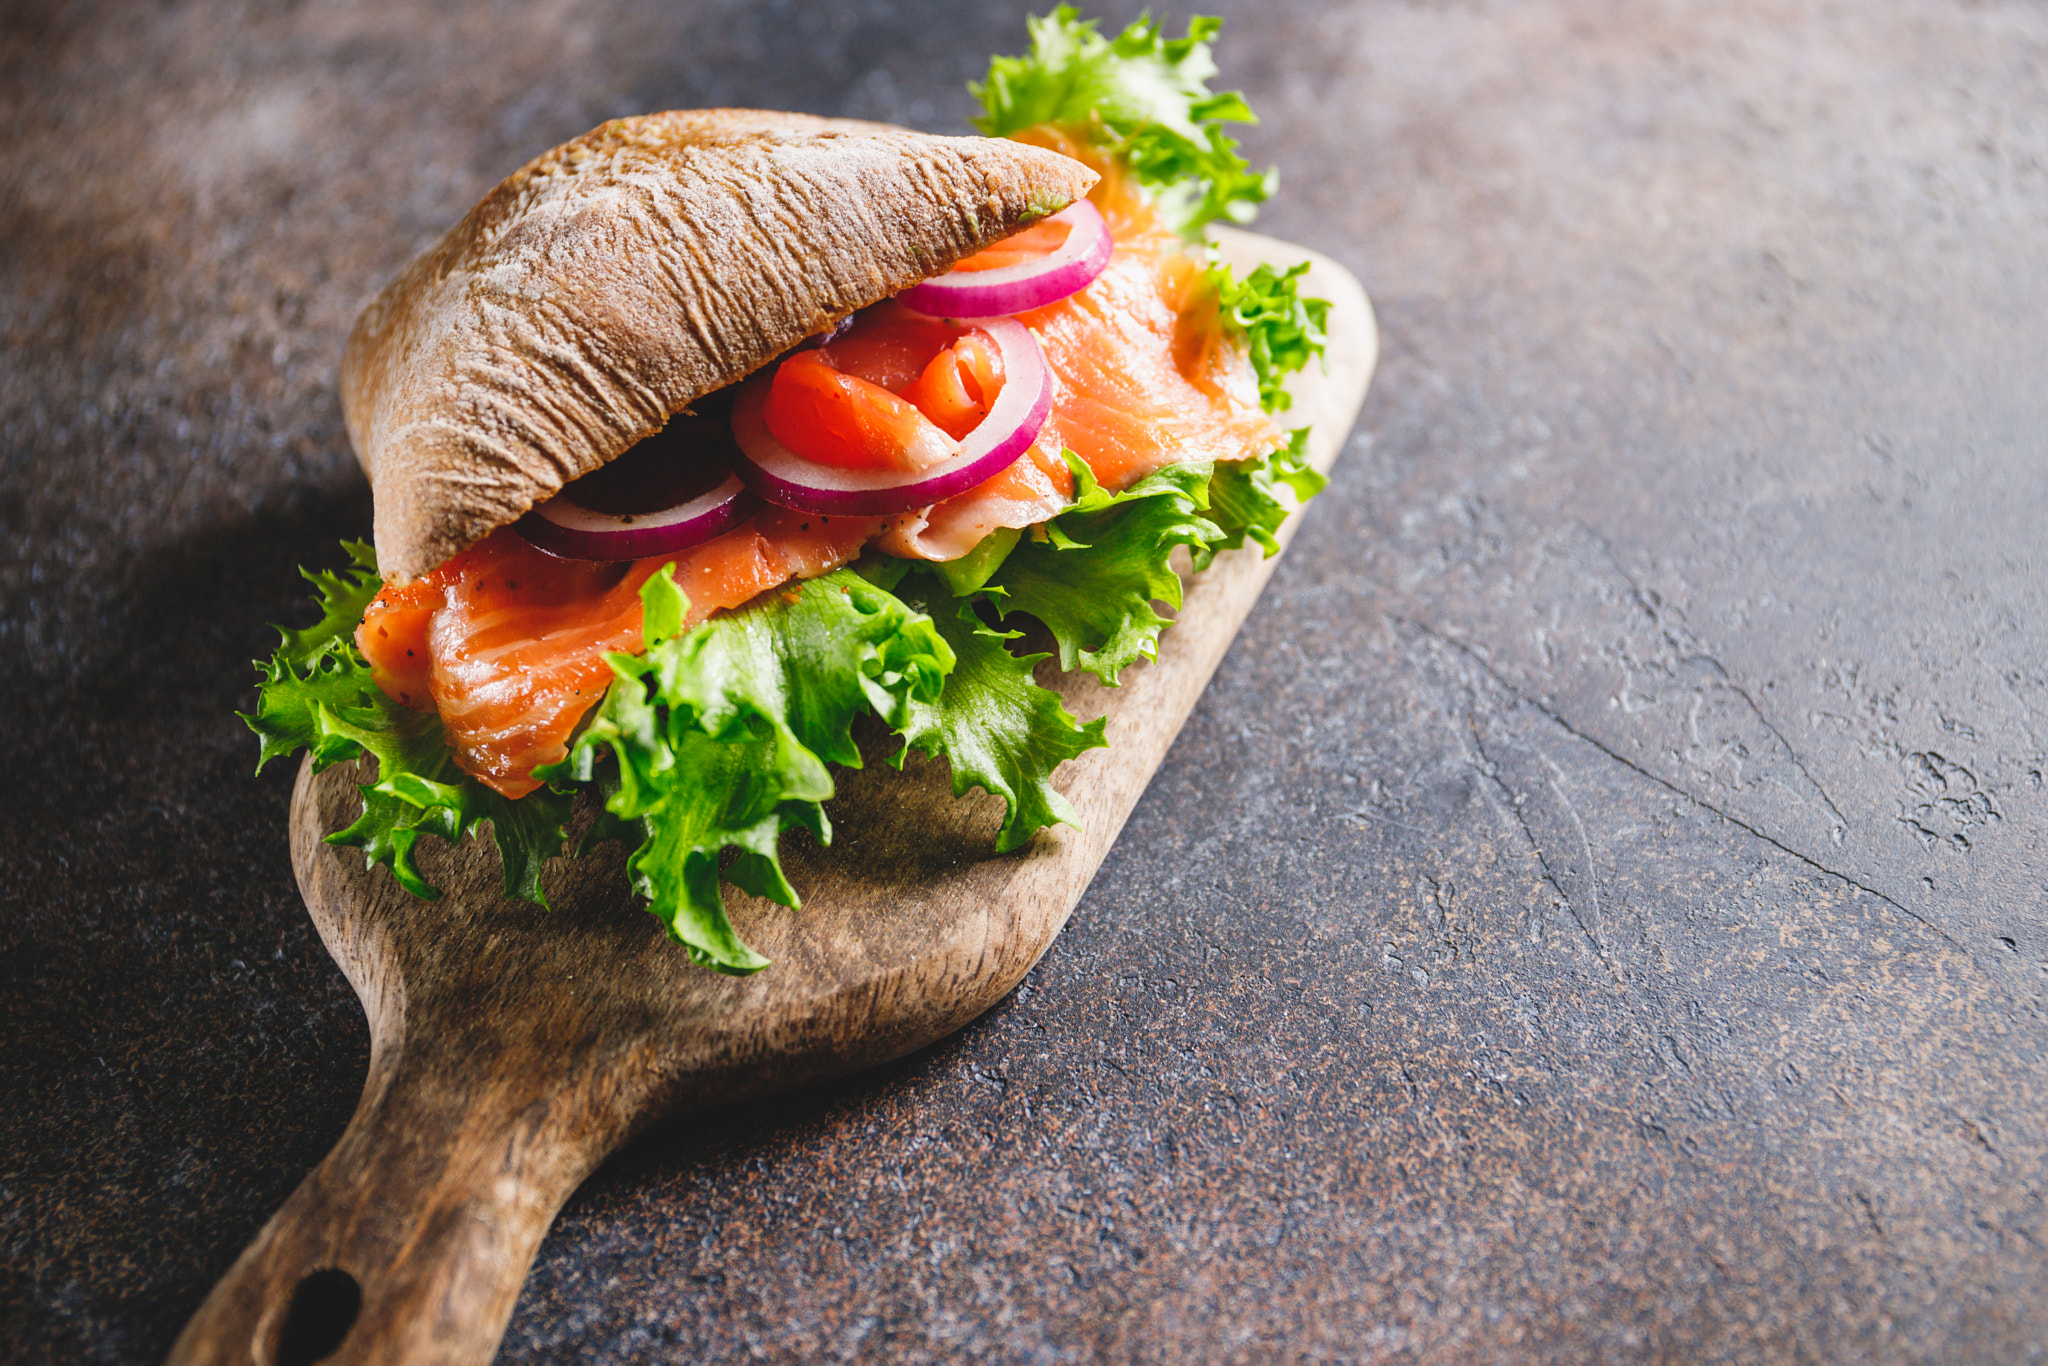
<point>605,285</point>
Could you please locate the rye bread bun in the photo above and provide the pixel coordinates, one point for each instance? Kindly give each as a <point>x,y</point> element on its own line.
<point>605,285</point>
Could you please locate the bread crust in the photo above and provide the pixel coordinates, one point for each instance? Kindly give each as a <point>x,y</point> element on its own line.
<point>608,283</point>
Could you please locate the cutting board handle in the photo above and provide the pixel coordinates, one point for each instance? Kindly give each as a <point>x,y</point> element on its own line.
<point>408,1245</point>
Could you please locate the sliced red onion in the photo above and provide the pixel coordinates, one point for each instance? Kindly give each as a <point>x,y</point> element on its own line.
<point>560,527</point>
<point>783,477</point>
<point>1032,284</point>
<point>672,491</point>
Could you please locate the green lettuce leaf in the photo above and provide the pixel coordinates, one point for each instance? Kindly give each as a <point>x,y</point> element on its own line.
<point>974,569</point>
<point>1094,574</point>
<point>1281,331</point>
<point>1140,96</point>
<point>722,734</point>
<point>994,725</point>
<point>1249,499</point>
<point>720,737</point>
<point>315,693</point>
<point>310,669</point>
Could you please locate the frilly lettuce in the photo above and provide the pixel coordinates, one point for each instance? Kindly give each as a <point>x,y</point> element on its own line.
<point>1282,332</point>
<point>315,693</point>
<point>719,737</point>
<point>1093,573</point>
<point>1139,96</point>
<point>722,735</point>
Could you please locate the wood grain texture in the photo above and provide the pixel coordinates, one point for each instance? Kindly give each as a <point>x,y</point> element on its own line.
<point>513,1049</point>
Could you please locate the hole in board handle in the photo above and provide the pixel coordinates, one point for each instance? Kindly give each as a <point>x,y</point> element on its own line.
<point>323,1309</point>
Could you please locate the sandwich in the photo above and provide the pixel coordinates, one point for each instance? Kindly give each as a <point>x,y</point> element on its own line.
<point>711,436</point>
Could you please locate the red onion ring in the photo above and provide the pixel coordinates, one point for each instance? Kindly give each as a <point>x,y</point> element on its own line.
<point>1032,284</point>
<point>561,527</point>
<point>785,478</point>
<point>674,490</point>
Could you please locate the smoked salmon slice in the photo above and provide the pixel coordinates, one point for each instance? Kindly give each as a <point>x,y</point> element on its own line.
<point>508,644</point>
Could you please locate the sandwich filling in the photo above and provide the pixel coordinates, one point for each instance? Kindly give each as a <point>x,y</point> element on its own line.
<point>702,694</point>
<point>510,646</point>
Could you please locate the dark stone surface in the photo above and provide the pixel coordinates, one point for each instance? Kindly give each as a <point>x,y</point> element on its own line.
<point>1595,915</point>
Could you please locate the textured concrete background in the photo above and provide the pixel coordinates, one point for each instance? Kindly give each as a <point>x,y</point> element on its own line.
<point>1595,915</point>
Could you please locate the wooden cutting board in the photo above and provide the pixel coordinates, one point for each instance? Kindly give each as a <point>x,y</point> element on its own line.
<point>513,1048</point>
